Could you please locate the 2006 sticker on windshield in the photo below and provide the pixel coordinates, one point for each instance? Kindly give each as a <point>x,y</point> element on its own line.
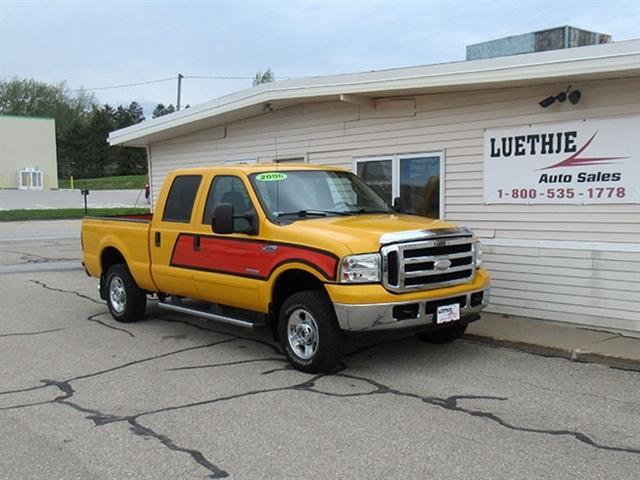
<point>271,176</point>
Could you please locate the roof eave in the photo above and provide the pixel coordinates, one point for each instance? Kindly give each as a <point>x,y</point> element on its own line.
<point>481,73</point>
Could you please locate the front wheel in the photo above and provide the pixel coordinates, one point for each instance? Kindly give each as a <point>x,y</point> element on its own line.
<point>443,335</point>
<point>309,333</point>
<point>126,301</point>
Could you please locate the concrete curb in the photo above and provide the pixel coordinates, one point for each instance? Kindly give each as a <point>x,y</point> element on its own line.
<point>576,355</point>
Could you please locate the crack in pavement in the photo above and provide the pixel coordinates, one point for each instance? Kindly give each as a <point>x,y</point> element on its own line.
<point>225,364</point>
<point>60,290</point>
<point>34,258</point>
<point>139,429</point>
<point>92,318</point>
<point>271,346</point>
<point>118,367</point>
<point>451,403</point>
<point>25,334</point>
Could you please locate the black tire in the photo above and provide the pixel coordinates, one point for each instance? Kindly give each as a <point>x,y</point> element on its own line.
<point>126,301</point>
<point>443,335</point>
<point>310,313</point>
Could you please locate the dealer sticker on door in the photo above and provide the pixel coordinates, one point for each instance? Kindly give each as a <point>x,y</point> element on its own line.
<point>448,313</point>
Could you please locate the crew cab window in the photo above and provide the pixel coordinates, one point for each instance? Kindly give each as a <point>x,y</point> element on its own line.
<point>181,197</point>
<point>229,189</point>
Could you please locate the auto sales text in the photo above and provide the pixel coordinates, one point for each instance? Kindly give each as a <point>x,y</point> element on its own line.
<point>581,177</point>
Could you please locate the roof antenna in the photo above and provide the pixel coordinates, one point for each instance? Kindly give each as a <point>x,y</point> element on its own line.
<point>277,183</point>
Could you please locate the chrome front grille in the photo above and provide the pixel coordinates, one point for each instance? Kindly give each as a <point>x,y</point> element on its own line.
<point>439,260</point>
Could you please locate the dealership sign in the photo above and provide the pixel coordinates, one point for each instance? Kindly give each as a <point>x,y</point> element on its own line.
<point>585,161</point>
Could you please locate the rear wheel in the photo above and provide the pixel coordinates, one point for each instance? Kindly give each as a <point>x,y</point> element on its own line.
<point>309,333</point>
<point>443,335</point>
<point>126,301</point>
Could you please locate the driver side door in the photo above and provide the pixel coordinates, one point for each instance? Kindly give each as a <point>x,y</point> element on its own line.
<point>228,268</point>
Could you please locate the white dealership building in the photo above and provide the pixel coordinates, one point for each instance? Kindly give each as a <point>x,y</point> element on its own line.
<point>538,153</point>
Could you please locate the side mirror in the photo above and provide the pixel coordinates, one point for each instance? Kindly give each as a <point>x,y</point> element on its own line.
<point>222,219</point>
<point>397,205</point>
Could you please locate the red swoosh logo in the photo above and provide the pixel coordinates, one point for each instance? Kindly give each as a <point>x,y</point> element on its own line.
<point>576,161</point>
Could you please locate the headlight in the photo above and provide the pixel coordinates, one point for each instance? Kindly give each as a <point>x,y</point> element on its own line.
<point>478,249</point>
<point>360,268</point>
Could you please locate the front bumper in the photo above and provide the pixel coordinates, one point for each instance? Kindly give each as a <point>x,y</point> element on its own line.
<point>411,314</point>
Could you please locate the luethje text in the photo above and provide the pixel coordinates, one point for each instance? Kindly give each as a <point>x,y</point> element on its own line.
<point>534,144</point>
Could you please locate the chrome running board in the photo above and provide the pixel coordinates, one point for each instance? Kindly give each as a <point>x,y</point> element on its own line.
<point>208,315</point>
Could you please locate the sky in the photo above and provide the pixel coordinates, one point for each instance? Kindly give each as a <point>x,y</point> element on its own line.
<point>96,44</point>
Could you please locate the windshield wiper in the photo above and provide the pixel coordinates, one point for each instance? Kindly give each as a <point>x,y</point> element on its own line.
<point>311,213</point>
<point>365,210</point>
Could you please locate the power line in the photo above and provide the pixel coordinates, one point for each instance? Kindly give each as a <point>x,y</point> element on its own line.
<point>215,77</point>
<point>125,85</point>
<point>161,80</point>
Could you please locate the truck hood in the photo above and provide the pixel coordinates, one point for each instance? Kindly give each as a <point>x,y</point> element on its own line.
<point>359,233</point>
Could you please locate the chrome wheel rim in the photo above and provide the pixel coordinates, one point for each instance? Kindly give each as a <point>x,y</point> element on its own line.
<point>302,331</point>
<point>117,295</point>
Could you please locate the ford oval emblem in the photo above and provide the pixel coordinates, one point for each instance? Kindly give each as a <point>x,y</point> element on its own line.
<point>442,264</point>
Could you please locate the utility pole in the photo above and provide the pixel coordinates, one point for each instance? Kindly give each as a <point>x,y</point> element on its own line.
<point>180,77</point>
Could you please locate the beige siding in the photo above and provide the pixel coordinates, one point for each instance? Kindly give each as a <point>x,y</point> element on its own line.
<point>591,273</point>
<point>27,142</point>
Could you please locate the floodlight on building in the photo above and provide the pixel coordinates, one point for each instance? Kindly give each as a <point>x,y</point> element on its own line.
<point>574,97</point>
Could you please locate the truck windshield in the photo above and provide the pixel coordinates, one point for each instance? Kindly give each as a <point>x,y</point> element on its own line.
<point>289,195</point>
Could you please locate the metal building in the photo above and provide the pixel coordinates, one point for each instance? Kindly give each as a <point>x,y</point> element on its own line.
<point>28,157</point>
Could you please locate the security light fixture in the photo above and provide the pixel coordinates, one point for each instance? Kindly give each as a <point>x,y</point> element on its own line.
<point>574,97</point>
<point>547,102</point>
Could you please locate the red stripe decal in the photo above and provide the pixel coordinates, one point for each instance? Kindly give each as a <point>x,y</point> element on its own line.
<point>246,258</point>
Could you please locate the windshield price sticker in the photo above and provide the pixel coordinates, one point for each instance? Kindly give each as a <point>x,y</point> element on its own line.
<point>271,176</point>
<point>575,162</point>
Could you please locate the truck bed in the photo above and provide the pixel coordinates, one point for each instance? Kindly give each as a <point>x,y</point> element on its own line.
<point>128,234</point>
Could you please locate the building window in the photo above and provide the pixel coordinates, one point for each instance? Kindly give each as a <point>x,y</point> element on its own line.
<point>181,197</point>
<point>414,178</point>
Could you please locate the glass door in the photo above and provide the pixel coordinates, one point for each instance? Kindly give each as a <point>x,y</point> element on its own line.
<point>420,185</point>
<point>415,178</point>
<point>378,174</point>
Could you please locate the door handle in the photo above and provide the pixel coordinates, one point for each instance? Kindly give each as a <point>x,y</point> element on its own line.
<point>157,239</point>
<point>196,243</point>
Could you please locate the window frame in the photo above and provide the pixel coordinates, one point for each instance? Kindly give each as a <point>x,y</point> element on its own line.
<point>254,210</point>
<point>303,158</point>
<point>168,198</point>
<point>395,171</point>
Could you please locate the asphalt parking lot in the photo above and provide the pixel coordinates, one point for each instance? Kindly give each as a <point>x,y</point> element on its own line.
<point>82,396</point>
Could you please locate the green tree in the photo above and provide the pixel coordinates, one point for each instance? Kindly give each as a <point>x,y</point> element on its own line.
<point>127,116</point>
<point>161,110</point>
<point>82,127</point>
<point>266,77</point>
<point>28,97</point>
<point>128,160</point>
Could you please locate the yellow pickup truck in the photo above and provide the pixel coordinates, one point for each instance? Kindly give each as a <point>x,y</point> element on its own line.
<point>308,251</point>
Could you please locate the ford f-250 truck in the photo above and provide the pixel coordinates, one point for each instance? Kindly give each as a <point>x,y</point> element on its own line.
<point>308,251</point>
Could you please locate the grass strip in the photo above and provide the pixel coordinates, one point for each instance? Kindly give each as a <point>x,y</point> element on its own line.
<point>123,182</point>
<point>65,213</point>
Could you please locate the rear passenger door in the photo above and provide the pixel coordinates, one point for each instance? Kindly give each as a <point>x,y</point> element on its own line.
<point>171,237</point>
